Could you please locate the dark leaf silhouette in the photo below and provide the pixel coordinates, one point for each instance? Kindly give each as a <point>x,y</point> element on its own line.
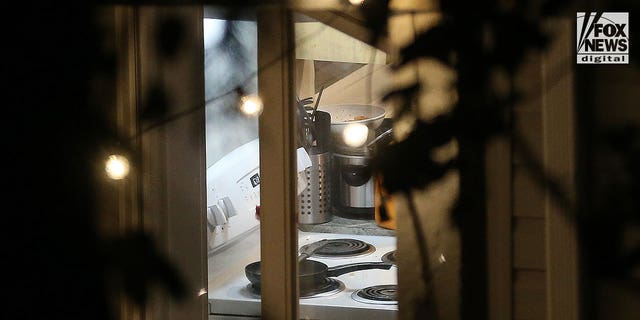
<point>606,226</point>
<point>140,267</point>
<point>376,14</point>
<point>437,42</point>
<point>405,95</point>
<point>513,36</point>
<point>156,105</point>
<point>415,153</point>
<point>170,37</point>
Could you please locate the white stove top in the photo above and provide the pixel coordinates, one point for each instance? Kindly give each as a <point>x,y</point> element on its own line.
<point>228,293</point>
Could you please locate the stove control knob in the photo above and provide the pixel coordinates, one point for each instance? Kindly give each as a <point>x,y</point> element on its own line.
<point>215,216</point>
<point>227,207</point>
<point>211,222</point>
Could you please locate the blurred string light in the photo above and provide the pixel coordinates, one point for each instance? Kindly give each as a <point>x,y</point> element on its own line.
<point>356,2</point>
<point>251,105</point>
<point>117,167</point>
<point>355,134</point>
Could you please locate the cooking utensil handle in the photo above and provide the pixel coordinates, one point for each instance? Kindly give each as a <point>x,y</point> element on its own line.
<point>340,270</point>
<point>315,107</point>
<point>308,251</point>
<point>382,135</point>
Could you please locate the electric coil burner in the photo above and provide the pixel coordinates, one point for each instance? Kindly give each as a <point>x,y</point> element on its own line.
<point>328,288</point>
<point>381,294</point>
<point>231,294</point>
<point>341,248</point>
<point>389,257</point>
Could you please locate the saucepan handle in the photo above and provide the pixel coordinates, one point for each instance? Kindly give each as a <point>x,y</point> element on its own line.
<point>342,269</point>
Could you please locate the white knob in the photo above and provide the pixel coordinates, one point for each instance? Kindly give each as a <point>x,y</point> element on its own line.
<point>211,221</point>
<point>218,217</point>
<point>227,207</point>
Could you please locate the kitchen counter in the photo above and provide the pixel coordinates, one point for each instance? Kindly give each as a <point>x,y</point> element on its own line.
<point>348,226</point>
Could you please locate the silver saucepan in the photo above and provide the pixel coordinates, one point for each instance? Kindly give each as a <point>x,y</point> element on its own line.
<point>345,114</point>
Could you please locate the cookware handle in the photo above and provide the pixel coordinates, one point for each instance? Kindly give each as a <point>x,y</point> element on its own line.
<point>342,269</point>
<point>306,252</point>
<point>379,137</point>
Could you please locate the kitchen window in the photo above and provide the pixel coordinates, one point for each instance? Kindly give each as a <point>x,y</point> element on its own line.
<point>175,159</point>
<point>231,163</point>
<point>348,269</point>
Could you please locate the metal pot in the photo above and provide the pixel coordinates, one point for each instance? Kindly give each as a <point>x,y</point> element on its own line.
<point>354,187</point>
<point>344,114</point>
<point>312,273</point>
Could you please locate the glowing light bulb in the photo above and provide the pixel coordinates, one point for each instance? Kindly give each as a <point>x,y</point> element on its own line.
<point>251,105</point>
<point>356,2</point>
<point>117,167</point>
<point>355,134</point>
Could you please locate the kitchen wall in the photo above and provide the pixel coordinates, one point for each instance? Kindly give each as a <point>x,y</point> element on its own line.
<point>349,70</point>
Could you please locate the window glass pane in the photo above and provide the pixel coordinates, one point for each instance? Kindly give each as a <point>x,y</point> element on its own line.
<point>352,273</point>
<point>232,155</point>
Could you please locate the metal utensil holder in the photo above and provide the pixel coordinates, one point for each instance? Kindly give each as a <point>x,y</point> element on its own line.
<point>315,201</point>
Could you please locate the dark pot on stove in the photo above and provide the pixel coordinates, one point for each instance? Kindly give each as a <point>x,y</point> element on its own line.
<point>313,273</point>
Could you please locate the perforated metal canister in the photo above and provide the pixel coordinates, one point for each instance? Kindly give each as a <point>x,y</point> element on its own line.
<point>314,204</point>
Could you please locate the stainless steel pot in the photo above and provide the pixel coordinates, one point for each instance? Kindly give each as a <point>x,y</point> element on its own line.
<point>354,186</point>
<point>344,114</point>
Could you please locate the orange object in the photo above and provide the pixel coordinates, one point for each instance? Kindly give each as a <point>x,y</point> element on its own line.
<point>385,212</point>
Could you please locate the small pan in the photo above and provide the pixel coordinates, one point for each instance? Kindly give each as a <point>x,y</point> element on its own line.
<point>313,273</point>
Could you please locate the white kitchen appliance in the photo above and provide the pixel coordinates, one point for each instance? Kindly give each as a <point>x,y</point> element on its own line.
<point>233,192</point>
<point>230,293</point>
